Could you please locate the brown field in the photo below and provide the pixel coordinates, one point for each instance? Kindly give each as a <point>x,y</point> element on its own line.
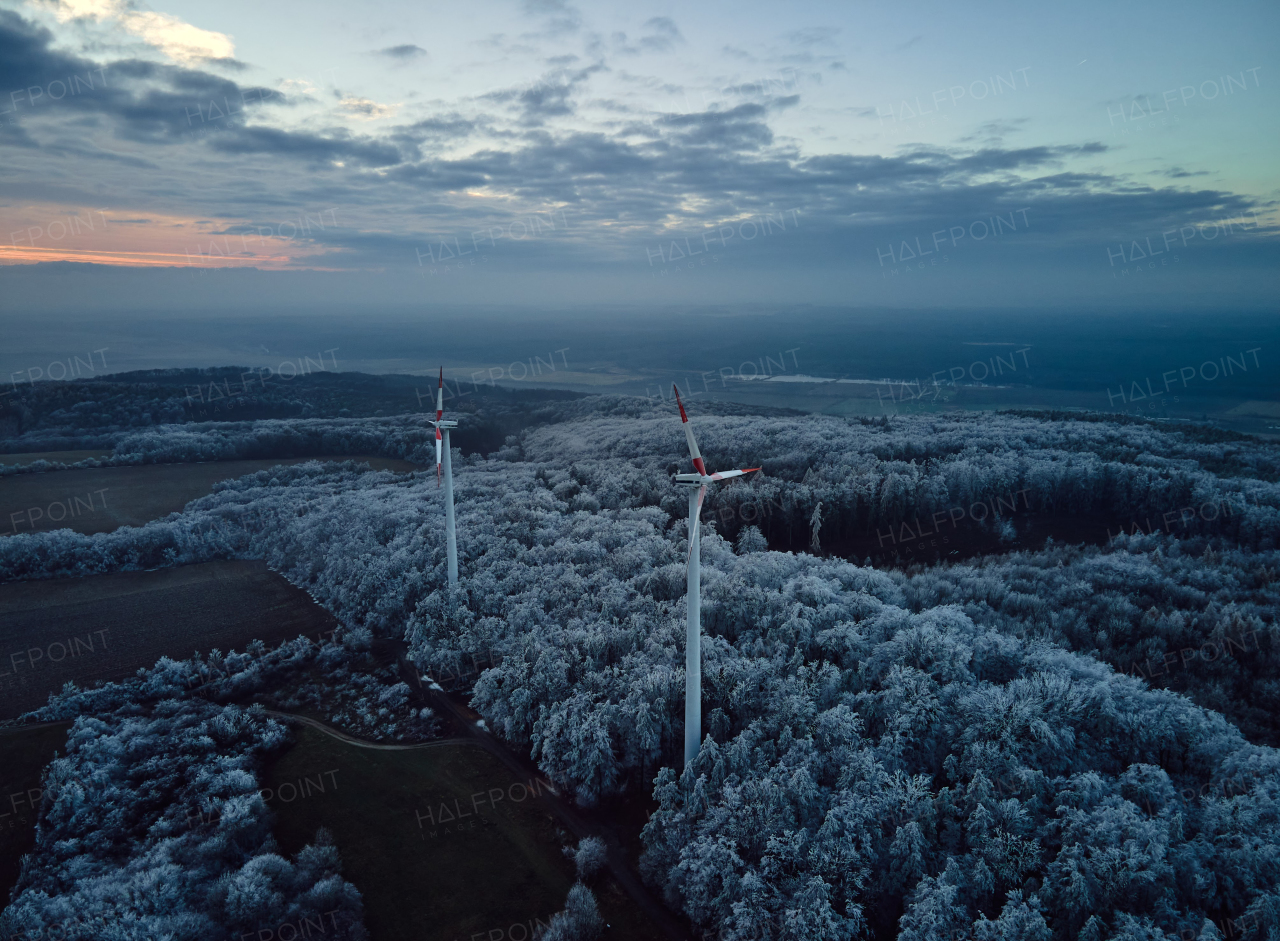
<point>101,499</point>
<point>105,627</point>
<point>55,457</point>
<point>433,851</point>
<point>497,867</point>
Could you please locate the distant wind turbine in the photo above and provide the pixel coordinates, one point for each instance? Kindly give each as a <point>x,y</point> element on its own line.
<point>697,484</point>
<point>442,461</point>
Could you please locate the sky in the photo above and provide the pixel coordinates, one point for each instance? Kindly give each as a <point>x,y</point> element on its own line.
<point>243,157</point>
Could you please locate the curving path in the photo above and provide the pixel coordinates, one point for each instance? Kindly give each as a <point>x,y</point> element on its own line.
<point>570,816</point>
<point>579,823</point>
<point>363,742</point>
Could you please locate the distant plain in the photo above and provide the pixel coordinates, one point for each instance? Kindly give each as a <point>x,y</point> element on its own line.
<point>111,497</point>
<point>106,627</point>
<point>1169,365</point>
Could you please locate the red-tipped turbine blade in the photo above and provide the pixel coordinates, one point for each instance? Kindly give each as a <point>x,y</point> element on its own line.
<point>694,453</point>
<point>725,475</point>
<point>440,397</point>
<point>439,441</point>
<point>697,522</point>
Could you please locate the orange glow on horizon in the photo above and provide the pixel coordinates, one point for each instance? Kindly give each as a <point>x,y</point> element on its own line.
<point>97,238</point>
<point>10,254</point>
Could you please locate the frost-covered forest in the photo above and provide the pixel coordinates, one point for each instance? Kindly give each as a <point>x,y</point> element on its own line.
<point>92,413</point>
<point>1058,742</point>
<point>160,784</point>
<point>152,826</point>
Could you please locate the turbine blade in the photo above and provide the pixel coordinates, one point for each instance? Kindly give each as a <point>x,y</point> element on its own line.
<point>440,398</point>
<point>680,405</point>
<point>439,441</point>
<point>694,453</point>
<point>725,475</point>
<point>697,522</point>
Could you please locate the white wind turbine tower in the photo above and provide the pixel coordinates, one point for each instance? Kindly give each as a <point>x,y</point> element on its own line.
<point>442,460</point>
<point>697,484</point>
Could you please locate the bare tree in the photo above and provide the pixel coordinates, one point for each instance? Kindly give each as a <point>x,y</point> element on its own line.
<point>815,524</point>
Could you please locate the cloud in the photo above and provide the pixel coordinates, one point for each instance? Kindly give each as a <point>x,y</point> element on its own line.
<point>404,53</point>
<point>334,148</point>
<point>661,35</point>
<point>176,38</point>
<point>740,128</point>
<point>147,101</point>
<point>995,159</point>
<point>812,35</point>
<point>631,175</point>
<point>366,109</point>
<point>445,128</point>
<point>561,17</point>
<point>74,148</point>
<point>549,96</point>
<point>994,132</point>
<point>153,103</point>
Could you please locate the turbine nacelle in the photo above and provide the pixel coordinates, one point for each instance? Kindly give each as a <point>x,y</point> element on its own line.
<point>440,423</point>
<point>695,455</point>
<point>701,479</point>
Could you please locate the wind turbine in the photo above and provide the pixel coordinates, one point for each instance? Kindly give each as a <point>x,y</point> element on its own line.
<point>697,486</point>
<point>442,461</point>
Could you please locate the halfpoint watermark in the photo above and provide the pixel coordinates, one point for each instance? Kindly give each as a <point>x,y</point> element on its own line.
<point>69,87</point>
<point>904,254</point>
<point>260,234</point>
<point>59,371</point>
<point>55,652</point>
<point>1222,366</point>
<point>441,819</point>
<point>992,87</point>
<point>1138,252</point>
<point>261,377</point>
<point>1141,109</point>
<point>58,511</point>
<point>515,371</point>
<point>671,251</point>
<point>991,509</point>
<point>916,390</point>
<point>451,249</point>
